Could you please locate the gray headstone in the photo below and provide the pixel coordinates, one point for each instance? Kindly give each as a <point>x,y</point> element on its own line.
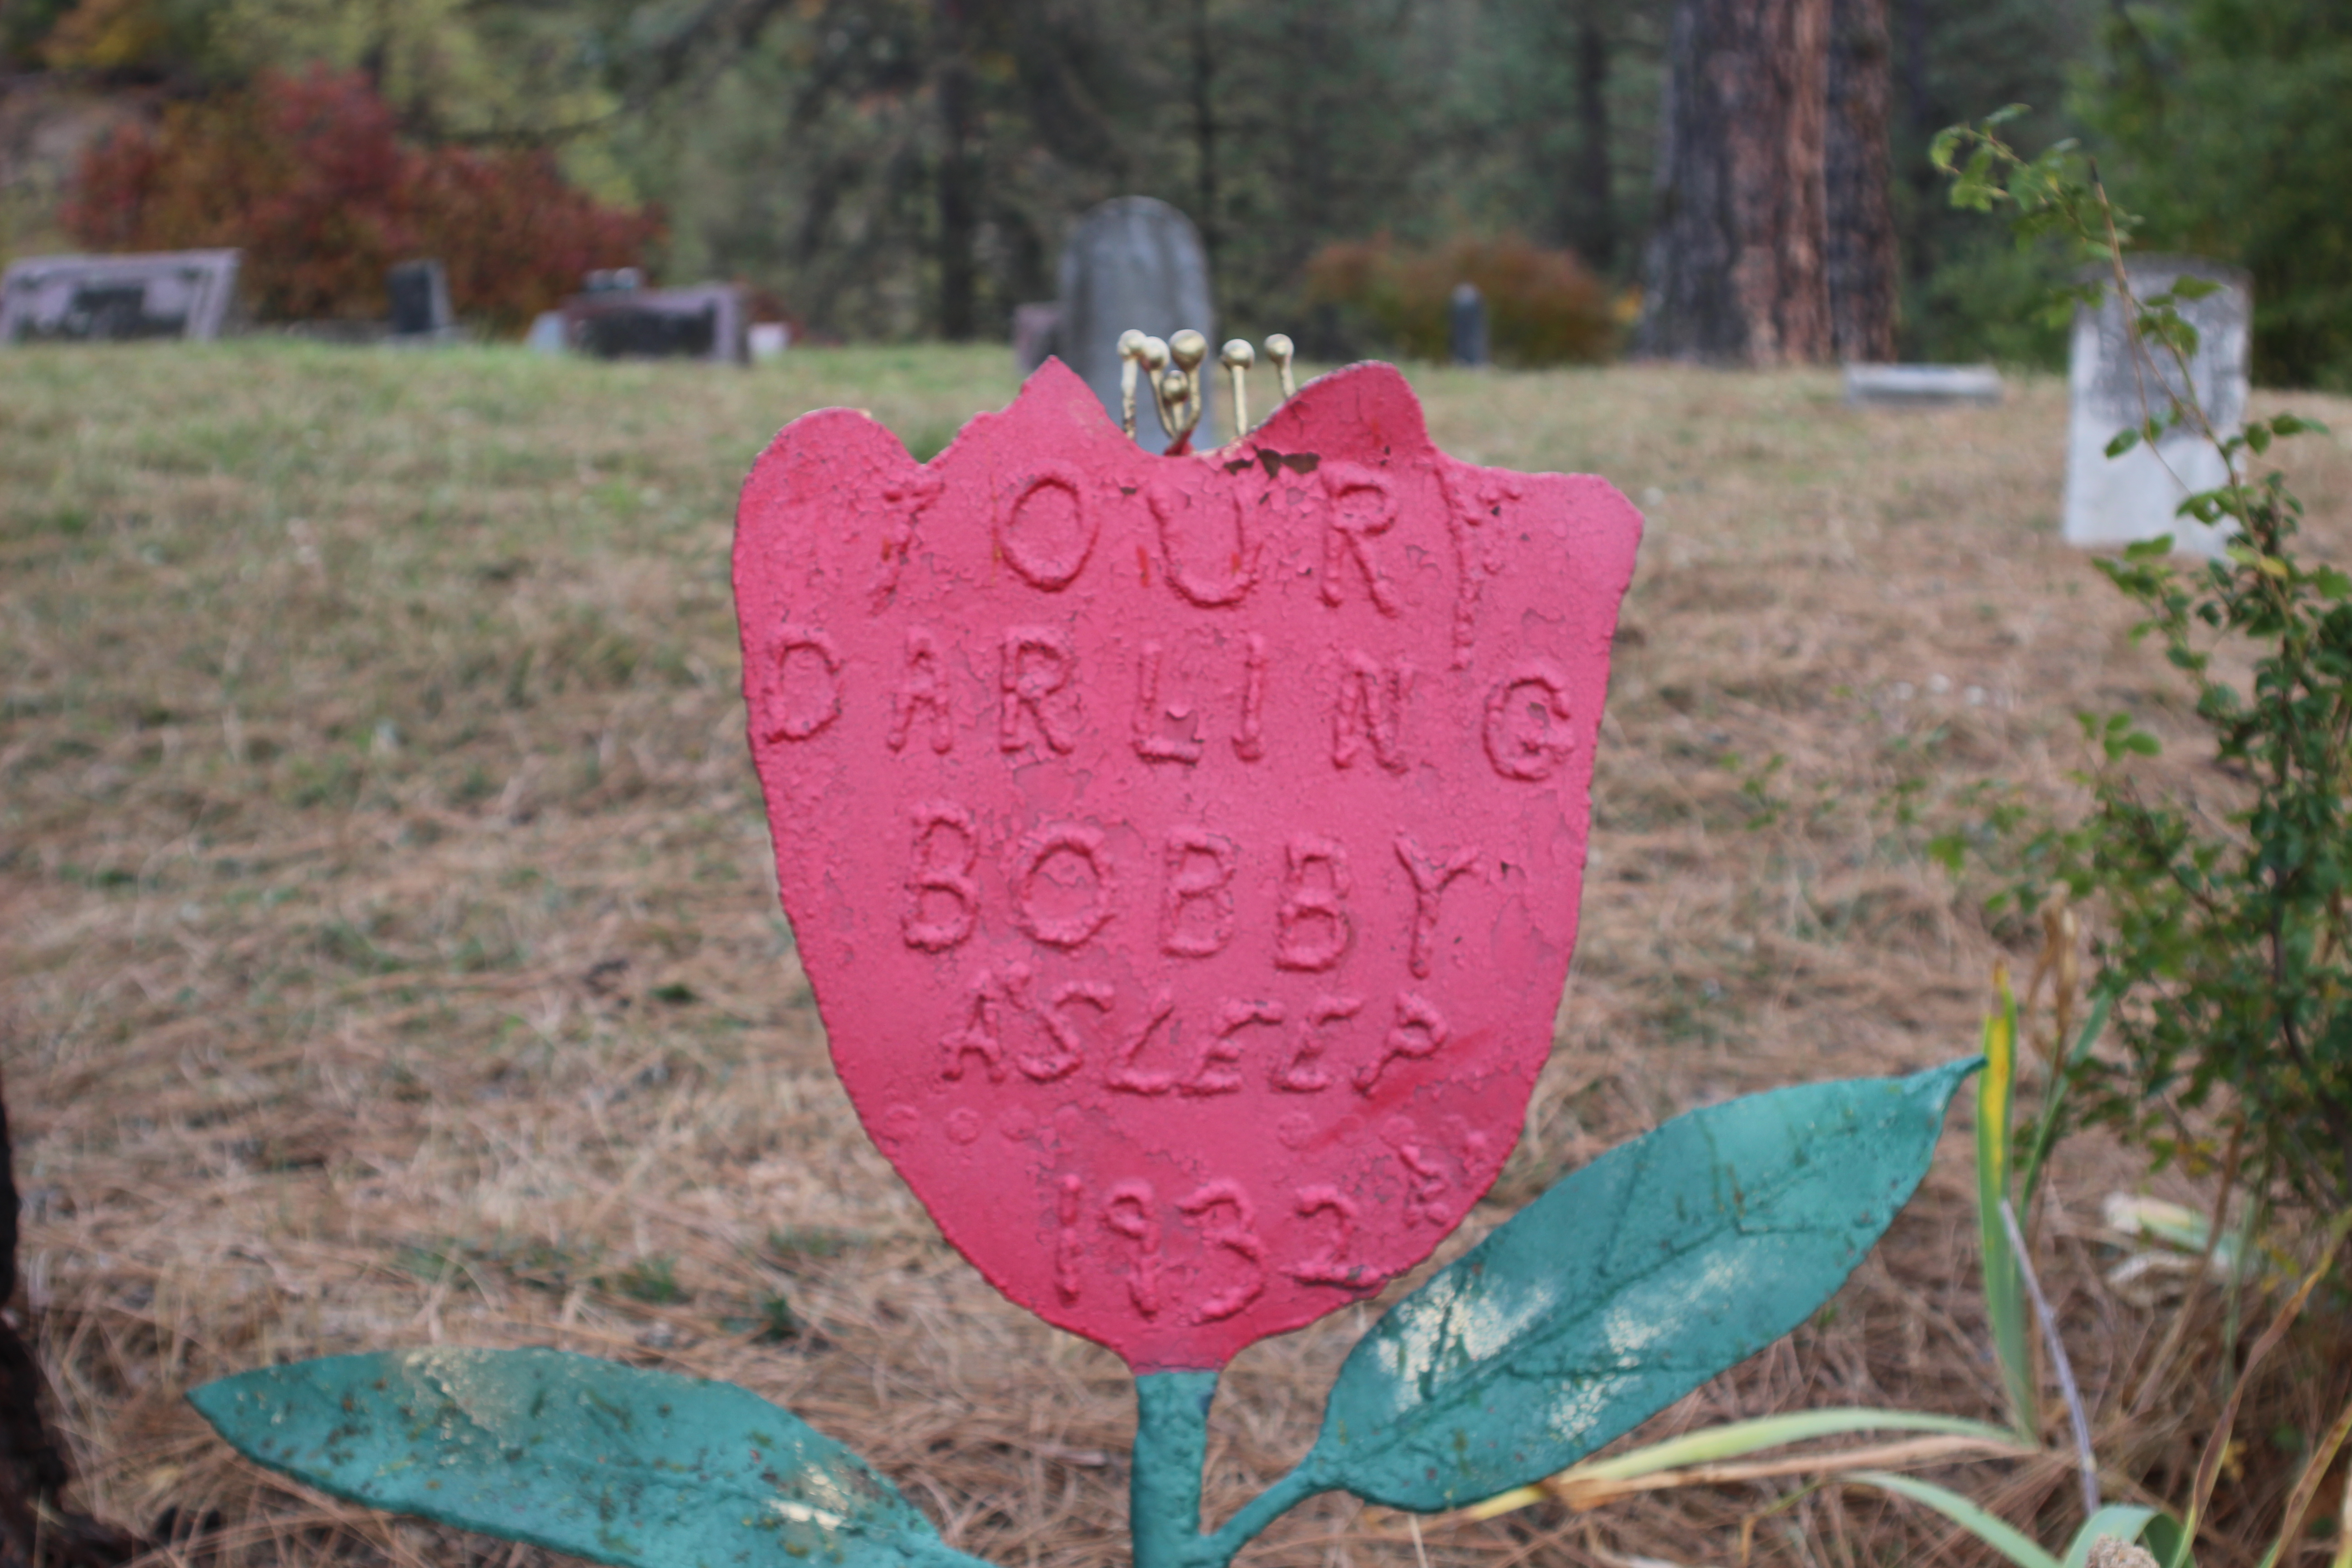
<point>707,321</point>
<point>103,298</point>
<point>1033,330</point>
<point>1134,262</point>
<point>420,300</point>
<point>2119,501</point>
<point>1467,324</point>
<point>1921,385</point>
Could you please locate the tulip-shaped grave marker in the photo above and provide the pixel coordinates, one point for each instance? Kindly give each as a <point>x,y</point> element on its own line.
<point>1185,853</point>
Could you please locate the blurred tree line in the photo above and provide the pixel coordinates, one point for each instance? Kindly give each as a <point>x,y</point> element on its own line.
<point>901,168</point>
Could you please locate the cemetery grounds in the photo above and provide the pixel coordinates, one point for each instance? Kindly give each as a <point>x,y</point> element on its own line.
<point>390,955</point>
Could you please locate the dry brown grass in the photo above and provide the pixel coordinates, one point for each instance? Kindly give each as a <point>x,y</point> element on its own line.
<point>392,952</point>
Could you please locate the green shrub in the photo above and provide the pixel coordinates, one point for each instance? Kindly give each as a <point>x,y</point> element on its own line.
<point>2226,946</point>
<point>1543,307</point>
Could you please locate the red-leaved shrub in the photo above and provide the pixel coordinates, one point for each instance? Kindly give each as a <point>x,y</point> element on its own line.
<point>307,176</point>
<point>1543,307</point>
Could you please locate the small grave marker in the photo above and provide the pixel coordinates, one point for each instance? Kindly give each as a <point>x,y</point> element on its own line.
<point>114,299</point>
<point>420,301</point>
<point>1185,854</point>
<point>1921,385</point>
<point>1036,329</point>
<point>1466,325</point>
<point>1133,262</point>
<point>1186,851</point>
<point>2120,501</point>
<point>619,321</point>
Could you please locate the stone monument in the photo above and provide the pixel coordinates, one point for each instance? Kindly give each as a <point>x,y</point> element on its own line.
<point>2119,501</point>
<point>1466,325</point>
<point>619,321</point>
<point>1131,262</point>
<point>420,302</point>
<point>110,299</point>
<point>1921,385</point>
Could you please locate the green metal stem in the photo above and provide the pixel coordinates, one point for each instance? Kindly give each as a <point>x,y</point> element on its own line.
<point>1260,1511</point>
<point>1172,1445</point>
<point>1172,1448</point>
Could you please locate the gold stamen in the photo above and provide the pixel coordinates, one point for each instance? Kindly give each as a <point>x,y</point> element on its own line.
<point>1237,357</point>
<point>1278,349</point>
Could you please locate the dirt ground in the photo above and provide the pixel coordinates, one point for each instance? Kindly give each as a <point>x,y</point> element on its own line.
<point>389,948</point>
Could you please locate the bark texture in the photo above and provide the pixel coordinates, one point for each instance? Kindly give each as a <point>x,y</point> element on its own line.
<point>34,1526</point>
<point>1773,242</point>
<point>1860,255</point>
<point>1596,200</point>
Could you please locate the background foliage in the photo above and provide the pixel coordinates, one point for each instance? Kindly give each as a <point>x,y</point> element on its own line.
<point>895,169</point>
<point>305,174</point>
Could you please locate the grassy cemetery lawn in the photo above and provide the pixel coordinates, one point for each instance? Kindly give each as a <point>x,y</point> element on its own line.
<point>389,948</point>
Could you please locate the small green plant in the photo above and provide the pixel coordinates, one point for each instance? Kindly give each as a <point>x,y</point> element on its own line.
<point>652,1279</point>
<point>2010,1159</point>
<point>2223,967</point>
<point>2226,943</point>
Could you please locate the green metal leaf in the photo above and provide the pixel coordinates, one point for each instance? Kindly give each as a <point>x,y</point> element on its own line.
<point>640,1469</point>
<point>1627,1284</point>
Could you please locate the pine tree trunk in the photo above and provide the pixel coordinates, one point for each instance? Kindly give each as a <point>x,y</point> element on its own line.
<point>957,181</point>
<point>36,1531</point>
<point>1861,247</point>
<point>1735,270</point>
<point>1598,201</point>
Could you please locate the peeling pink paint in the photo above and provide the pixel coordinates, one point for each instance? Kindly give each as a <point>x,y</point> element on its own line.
<point>1184,851</point>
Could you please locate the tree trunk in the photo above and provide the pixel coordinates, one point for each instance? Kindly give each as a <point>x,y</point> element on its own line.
<point>1736,267</point>
<point>958,181</point>
<point>1599,239</point>
<point>1861,257</point>
<point>34,1527</point>
<point>1204,132</point>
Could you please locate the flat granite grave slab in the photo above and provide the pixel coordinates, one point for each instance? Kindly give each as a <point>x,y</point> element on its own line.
<point>1921,385</point>
<point>707,321</point>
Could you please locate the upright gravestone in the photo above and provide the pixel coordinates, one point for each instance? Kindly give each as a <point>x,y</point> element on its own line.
<point>111,299</point>
<point>1131,262</point>
<point>1467,324</point>
<point>420,301</point>
<point>1035,327</point>
<point>2117,384</point>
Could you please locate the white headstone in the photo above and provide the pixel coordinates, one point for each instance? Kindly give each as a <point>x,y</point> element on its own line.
<point>154,294</point>
<point>1133,262</point>
<point>2121,501</point>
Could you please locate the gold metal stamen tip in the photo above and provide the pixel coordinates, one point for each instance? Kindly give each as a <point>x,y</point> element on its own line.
<point>1237,356</point>
<point>1188,348</point>
<point>1130,343</point>
<point>1175,386</point>
<point>1278,349</point>
<point>1155,353</point>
